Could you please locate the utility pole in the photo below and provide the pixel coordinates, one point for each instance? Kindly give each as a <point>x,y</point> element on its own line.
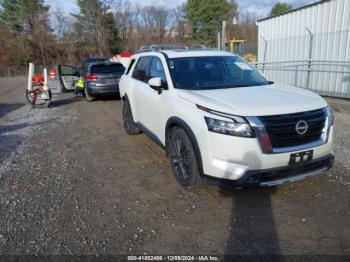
<point>219,41</point>
<point>223,35</point>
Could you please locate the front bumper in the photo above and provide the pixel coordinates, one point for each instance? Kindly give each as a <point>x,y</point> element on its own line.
<point>232,158</point>
<point>276,176</point>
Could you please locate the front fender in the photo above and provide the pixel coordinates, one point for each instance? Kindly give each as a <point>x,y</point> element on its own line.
<point>175,121</point>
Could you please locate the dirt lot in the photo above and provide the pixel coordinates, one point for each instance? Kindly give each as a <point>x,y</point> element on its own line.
<point>72,182</point>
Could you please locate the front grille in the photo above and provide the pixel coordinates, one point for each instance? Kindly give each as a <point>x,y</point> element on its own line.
<point>282,128</point>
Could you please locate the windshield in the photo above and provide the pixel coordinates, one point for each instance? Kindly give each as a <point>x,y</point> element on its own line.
<point>213,72</point>
<point>107,69</point>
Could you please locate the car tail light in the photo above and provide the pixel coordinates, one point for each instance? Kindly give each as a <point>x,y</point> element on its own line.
<point>91,77</point>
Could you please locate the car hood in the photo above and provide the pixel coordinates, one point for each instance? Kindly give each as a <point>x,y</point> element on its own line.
<point>256,100</point>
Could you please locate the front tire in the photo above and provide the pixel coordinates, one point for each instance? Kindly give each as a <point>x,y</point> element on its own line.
<point>128,121</point>
<point>183,159</point>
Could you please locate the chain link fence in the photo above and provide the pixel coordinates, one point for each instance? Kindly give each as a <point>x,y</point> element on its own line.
<point>13,71</point>
<point>316,61</point>
<point>325,77</point>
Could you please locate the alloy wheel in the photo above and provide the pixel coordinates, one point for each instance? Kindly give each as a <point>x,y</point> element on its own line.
<point>181,160</point>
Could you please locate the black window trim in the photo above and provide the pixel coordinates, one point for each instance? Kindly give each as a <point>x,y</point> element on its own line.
<point>132,63</point>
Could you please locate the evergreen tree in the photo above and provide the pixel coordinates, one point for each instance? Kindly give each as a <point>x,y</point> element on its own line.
<point>28,28</point>
<point>206,16</point>
<point>10,14</point>
<point>279,8</point>
<point>114,41</point>
<point>97,27</point>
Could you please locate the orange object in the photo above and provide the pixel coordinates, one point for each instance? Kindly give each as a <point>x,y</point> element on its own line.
<point>38,78</point>
<point>128,54</point>
<point>53,74</point>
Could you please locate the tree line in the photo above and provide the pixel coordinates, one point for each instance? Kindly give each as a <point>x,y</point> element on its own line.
<point>31,31</point>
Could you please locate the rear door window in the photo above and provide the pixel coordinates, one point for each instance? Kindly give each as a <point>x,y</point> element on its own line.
<point>107,69</point>
<point>141,68</point>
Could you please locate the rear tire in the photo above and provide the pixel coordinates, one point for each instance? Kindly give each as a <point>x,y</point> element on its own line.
<point>29,98</point>
<point>128,121</point>
<point>183,159</point>
<point>88,97</point>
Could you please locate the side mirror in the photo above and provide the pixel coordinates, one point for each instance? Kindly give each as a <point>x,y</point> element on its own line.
<point>157,84</point>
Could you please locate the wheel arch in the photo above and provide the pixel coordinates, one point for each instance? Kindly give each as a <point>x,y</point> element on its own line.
<point>125,98</point>
<point>178,122</point>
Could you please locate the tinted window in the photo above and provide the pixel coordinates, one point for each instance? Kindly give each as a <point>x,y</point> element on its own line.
<point>107,69</point>
<point>141,69</point>
<point>68,70</point>
<point>213,72</point>
<point>156,69</point>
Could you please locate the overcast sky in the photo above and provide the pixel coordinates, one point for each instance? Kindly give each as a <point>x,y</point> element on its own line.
<point>260,7</point>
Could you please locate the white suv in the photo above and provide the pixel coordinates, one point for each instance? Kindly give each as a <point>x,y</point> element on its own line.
<point>219,120</point>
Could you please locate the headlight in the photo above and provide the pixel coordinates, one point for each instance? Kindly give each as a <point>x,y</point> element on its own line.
<point>330,115</point>
<point>329,122</point>
<point>229,128</point>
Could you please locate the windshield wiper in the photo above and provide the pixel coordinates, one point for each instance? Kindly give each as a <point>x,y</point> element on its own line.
<point>234,86</point>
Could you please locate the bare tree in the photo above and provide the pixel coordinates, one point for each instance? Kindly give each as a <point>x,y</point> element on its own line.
<point>103,27</point>
<point>246,29</point>
<point>100,26</point>
<point>179,23</point>
<point>37,30</point>
<point>126,16</point>
<point>63,25</point>
<point>149,24</point>
<point>94,18</point>
<point>155,22</point>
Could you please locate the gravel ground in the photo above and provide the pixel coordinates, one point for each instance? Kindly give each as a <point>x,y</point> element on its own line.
<point>72,182</point>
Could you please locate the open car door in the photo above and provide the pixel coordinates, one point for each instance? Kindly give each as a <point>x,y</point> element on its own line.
<point>68,75</point>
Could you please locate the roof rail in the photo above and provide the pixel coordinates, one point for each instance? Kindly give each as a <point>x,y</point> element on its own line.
<point>156,48</point>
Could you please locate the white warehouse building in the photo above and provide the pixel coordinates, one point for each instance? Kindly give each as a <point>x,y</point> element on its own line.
<point>308,47</point>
